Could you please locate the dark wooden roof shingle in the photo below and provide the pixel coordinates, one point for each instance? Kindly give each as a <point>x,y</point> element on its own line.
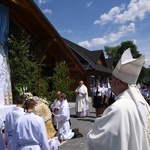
<point>90,57</point>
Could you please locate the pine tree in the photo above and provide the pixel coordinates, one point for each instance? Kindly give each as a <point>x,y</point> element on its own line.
<point>61,80</point>
<point>25,67</point>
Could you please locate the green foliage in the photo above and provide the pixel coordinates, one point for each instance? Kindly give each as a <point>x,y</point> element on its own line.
<point>144,75</point>
<point>111,52</point>
<point>25,67</point>
<point>116,52</point>
<point>61,80</point>
<point>126,45</point>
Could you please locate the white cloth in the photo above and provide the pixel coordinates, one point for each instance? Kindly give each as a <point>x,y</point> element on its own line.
<point>30,133</point>
<point>119,128</point>
<point>10,121</point>
<point>56,104</point>
<point>63,118</point>
<point>101,91</point>
<point>109,93</point>
<point>4,109</point>
<point>81,98</point>
<point>54,143</point>
<point>140,102</point>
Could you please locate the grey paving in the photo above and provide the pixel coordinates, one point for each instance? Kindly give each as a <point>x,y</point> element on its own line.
<point>84,125</point>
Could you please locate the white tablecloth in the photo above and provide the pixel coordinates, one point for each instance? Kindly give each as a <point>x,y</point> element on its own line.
<point>4,109</point>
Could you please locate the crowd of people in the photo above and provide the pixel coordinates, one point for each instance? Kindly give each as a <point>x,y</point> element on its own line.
<point>121,107</point>
<point>32,124</point>
<point>102,96</point>
<point>29,126</point>
<point>145,91</point>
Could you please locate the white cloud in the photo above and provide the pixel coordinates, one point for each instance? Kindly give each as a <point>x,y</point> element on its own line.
<point>123,31</point>
<point>134,41</point>
<point>88,4</point>
<point>85,44</point>
<point>43,1</point>
<point>144,50</point>
<point>47,11</point>
<point>69,31</point>
<point>110,16</point>
<point>98,41</point>
<point>147,62</point>
<point>110,38</point>
<point>136,10</point>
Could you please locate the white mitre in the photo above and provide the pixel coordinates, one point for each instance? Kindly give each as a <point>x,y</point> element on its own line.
<point>128,69</point>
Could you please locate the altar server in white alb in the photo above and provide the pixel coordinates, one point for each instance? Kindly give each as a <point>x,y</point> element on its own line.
<point>62,118</point>
<point>125,125</point>
<point>30,132</point>
<point>11,118</point>
<point>81,100</point>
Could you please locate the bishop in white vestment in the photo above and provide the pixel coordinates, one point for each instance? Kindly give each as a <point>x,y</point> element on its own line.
<point>125,125</point>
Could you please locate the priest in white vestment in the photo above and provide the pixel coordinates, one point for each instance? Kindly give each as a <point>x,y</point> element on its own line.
<point>125,125</point>
<point>82,102</point>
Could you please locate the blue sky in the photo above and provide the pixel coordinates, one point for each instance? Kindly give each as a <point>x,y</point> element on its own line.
<point>94,24</point>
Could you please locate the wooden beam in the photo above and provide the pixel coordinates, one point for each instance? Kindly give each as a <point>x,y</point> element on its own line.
<point>15,3</point>
<point>18,19</point>
<point>47,46</point>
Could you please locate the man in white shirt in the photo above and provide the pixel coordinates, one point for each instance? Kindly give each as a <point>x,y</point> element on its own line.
<point>11,118</point>
<point>125,125</point>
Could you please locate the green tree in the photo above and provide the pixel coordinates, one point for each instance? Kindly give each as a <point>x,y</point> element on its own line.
<point>25,67</point>
<point>116,52</point>
<point>125,45</point>
<point>111,52</point>
<point>61,80</point>
<point>145,75</point>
